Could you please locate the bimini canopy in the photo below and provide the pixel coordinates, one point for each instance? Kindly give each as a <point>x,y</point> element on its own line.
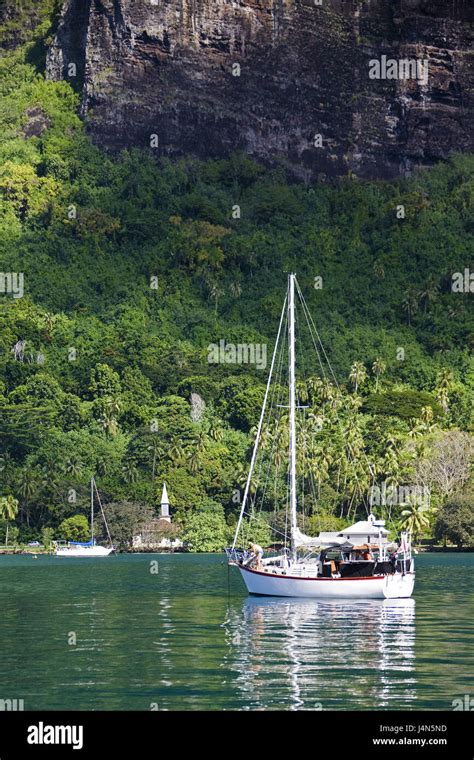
<point>81,543</point>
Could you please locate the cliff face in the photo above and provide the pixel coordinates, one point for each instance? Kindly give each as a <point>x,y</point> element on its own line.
<point>171,68</point>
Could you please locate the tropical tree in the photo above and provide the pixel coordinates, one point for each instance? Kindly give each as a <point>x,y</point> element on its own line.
<point>378,368</point>
<point>74,528</point>
<point>28,486</point>
<point>429,293</point>
<point>106,410</point>
<point>357,375</point>
<point>410,303</point>
<point>130,471</point>
<point>455,521</point>
<point>8,511</point>
<point>416,517</point>
<point>236,288</point>
<point>156,450</point>
<point>47,537</point>
<point>176,451</point>
<point>444,382</point>
<point>205,531</point>
<point>73,465</point>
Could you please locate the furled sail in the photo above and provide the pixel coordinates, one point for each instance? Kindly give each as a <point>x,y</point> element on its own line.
<point>323,540</point>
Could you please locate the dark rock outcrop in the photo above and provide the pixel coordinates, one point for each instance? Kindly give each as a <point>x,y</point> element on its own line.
<point>171,69</point>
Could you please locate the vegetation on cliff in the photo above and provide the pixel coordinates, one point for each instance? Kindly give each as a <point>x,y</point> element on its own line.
<point>133,267</point>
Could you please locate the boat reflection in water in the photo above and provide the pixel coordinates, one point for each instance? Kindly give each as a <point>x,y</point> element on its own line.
<point>312,655</point>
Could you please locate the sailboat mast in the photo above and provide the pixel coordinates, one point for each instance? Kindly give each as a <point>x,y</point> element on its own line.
<point>92,510</point>
<point>292,404</point>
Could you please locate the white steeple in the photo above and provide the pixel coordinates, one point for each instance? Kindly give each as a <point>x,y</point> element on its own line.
<point>165,505</point>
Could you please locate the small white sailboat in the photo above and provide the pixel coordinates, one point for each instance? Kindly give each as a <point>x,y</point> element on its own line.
<point>356,563</point>
<point>87,548</point>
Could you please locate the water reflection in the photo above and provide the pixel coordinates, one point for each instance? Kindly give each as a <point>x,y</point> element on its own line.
<point>308,654</point>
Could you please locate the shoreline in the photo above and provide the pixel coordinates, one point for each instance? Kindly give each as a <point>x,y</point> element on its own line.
<point>43,552</point>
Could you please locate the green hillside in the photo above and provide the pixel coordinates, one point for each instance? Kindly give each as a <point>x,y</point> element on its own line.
<point>133,266</point>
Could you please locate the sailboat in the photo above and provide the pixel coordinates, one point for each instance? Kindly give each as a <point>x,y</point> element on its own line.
<point>88,548</point>
<point>358,562</point>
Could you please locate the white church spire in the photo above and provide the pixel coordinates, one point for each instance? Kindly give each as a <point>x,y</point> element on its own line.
<point>165,505</point>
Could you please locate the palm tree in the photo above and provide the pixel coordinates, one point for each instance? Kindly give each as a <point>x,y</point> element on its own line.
<point>236,288</point>
<point>328,392</point>
<point>430,292</point>
<point>8,511</point>
<point>110,411</point>
<point>194,459</point>
<point>357,375</point>
<point>241,479</point>
<point>426,420</point>
<point>130,471</point>
<point>315,422</point>
<point>215,292</point>
<point>444,381</point>
<point>102,466</point>
<point>49,320</point>
<point>215,431</point>
<point>27,487</point>
<point>379,270</point>
<point>6,465</point>
<point>378,368</point>
<point>156,449</point>
<point>410,303</point>
<point>314,386</point>
<point>426,415</point>
<point>176,450</point>
<point>302,392</point>
<point>416,430</point>
<point>416,517</point>
<point>197,449</point>
<point>73,465</point>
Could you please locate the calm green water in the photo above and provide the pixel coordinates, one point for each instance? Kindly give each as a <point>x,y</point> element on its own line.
<point>177,639</point>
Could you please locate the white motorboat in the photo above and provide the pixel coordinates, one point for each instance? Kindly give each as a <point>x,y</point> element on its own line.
<point>358,562</point>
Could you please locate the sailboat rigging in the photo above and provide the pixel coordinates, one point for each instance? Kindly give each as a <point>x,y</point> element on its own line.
<point>356,562</point>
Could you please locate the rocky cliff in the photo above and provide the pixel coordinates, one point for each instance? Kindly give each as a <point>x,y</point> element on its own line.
<point>268,76</point>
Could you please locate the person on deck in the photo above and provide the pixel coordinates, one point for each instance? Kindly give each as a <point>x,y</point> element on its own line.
<point>257,554</point>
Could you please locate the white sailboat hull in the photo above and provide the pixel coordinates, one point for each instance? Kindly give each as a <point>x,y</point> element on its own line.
<point>396,586</point>
<point>84,551</point>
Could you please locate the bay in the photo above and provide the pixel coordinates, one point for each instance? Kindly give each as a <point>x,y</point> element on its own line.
<point>178,632</point>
